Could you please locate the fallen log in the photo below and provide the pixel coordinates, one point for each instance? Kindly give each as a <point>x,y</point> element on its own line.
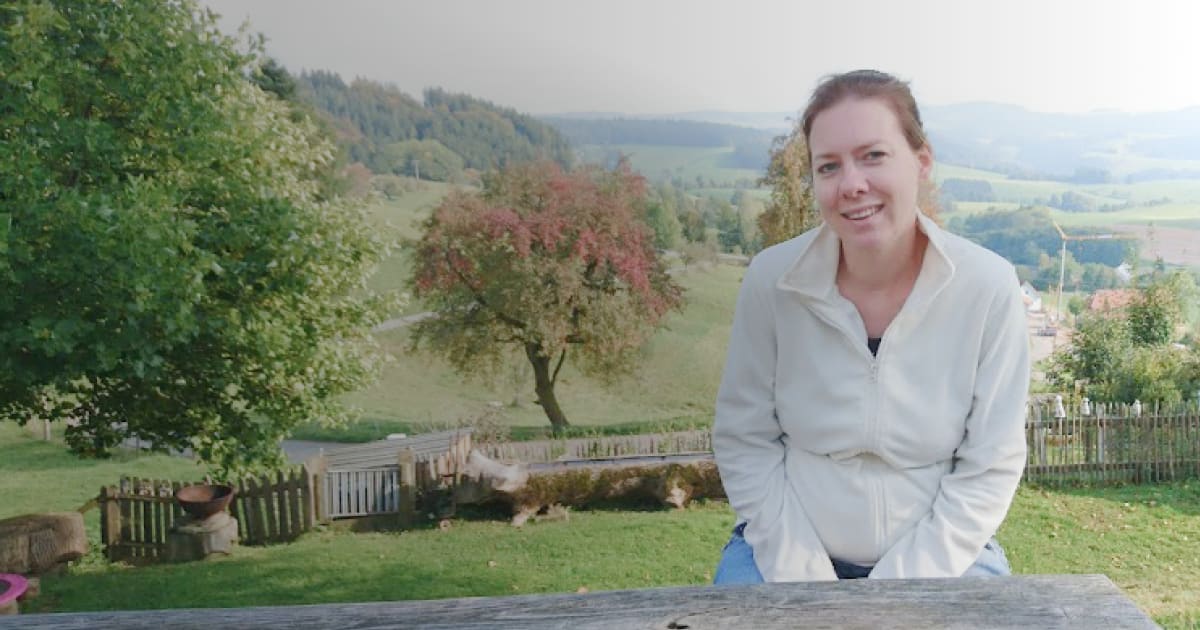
<point>673,480</point>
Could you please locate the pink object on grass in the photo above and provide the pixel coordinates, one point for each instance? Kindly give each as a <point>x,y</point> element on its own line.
<point>14,587</point>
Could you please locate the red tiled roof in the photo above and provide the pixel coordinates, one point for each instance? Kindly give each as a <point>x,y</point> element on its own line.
<point>1111,299</point>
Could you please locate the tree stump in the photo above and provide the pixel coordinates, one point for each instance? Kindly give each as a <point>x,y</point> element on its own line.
<point>190,539</point>
<point>36,543</point>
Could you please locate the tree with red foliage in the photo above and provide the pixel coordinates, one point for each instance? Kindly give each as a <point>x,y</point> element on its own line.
<point>543,260</point>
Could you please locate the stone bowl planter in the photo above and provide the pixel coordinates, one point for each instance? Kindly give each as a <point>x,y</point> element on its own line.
<point>203,500</point>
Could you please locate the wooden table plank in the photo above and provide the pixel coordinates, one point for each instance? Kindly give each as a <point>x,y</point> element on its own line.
<point>1034,601</point>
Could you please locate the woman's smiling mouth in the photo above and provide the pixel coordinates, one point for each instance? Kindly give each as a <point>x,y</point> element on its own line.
<point>859,214</point>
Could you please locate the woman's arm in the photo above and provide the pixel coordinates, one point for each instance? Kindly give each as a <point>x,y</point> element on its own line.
<point>749,451</point>
<point>974,498</point>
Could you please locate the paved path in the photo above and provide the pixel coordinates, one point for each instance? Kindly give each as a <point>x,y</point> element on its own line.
<point>400,322</point>
<point>297,451</point>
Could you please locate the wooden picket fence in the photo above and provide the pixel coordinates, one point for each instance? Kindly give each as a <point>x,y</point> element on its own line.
<point>137,514</point>
<point>362,486</point>
<point>1079,443</point>
<point>1112,443</point>
<point>355,493</point>
<point>697,441</point>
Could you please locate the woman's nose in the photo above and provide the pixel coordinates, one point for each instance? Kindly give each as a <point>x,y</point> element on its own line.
<point>853,182</point>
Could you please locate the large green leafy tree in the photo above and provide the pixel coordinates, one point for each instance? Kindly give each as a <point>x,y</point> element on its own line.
<point>543,261</point>
<point>175,270</point>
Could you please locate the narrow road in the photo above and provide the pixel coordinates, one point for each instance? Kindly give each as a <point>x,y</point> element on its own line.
<point>298,451</point>
<point>400,322</point>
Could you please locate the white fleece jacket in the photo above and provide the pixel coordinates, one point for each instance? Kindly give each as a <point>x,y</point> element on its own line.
<point>907,460</point>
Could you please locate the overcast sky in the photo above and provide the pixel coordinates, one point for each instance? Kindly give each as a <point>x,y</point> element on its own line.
<point>664,56</point>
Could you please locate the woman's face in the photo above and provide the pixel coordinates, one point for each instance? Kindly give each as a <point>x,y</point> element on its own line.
<point>865,176</point>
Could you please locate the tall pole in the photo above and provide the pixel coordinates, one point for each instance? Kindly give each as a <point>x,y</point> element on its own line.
<point>1062,272</point>
<point>1062,256</point>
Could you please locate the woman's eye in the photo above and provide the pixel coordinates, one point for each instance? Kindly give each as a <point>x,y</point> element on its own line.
<point>826,168</point>
<point>875,155</point>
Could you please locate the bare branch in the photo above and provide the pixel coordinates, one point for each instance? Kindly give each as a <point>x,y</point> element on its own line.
<point>561,356</point>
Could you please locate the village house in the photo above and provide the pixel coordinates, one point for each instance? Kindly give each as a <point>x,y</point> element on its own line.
<point>1105,300</point>
<point>1032,298</point>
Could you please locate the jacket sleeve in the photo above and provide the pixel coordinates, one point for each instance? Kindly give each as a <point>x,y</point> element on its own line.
<point>975,496</point>
<point>749,450</point>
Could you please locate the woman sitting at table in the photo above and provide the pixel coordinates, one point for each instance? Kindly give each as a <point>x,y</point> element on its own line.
<point>870,419</point>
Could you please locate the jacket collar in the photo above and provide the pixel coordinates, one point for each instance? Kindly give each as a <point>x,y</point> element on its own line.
<point>814,272</point>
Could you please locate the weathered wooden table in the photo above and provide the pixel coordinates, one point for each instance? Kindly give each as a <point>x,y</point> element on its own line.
<point>1034,601</point>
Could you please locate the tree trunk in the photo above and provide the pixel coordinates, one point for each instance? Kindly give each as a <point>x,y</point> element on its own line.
<point>543,385</point>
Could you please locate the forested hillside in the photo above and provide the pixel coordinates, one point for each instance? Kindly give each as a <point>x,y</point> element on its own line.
<point>392,132</point>
<point>1027,238</point>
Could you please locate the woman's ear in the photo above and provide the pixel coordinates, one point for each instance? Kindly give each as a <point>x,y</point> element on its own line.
<point>925,159</point>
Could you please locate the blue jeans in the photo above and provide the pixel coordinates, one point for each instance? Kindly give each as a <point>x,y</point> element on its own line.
<point>737,563</point>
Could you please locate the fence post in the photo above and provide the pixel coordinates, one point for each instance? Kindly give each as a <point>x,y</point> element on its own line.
<point>295,502</point>
<point>408,487</point>
<point>110,521</point>
<point>254,505</point>
<point>318,467</point>
<point>307,494</point>
<point>1039,433</point>
<point>125,519</point>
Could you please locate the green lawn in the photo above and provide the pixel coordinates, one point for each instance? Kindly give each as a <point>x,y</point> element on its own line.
<point>1142,537</point>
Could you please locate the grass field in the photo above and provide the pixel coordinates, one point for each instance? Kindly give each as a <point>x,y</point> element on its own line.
<point>676,382</point>
<point>666,162</point>
<point>963,208</point>
<point>1142,537</point>
<point>400,220</point>
<point>1025,191</point>
<point>1172,213</point>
